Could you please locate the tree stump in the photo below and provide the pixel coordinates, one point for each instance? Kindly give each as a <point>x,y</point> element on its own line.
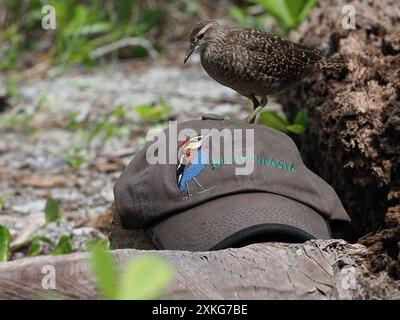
<point>353,135</point>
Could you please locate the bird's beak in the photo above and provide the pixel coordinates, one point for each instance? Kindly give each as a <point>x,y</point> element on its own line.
<point>189,52</point>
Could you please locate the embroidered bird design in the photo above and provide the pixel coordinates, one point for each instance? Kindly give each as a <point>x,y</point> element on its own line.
<point>193,158</point>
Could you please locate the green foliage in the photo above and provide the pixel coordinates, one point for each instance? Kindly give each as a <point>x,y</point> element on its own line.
<point>154,113</point>
<point>20,122</point>
<point>81,27</point>
<point>76,24</point>
<point>12,89</point>
<point>288,13</point>
<point>35,248</point>
<point>145,277</point>
<point>75,157</point>
<point>10,42</point>
<point>279,122</point>
<point>243,17</point>
<point>4,243</point>
<point>107,127</point>
<point>273,120</point>
<point>94,244</point>
<point>63,246</point>
<point>301,117</point>
<point>16,122</point>
<point>3,199</point>
<point>52,210</point>
<point>106,272</point>
<point>37,245</point>
<point>296,128</point>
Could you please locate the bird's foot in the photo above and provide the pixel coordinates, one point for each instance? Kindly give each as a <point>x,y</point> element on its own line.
<point>252,116</point>
<point>205,190</point>
<point>202,191</point>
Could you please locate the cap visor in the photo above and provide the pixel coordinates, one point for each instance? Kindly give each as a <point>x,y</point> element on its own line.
<point>227,221</point>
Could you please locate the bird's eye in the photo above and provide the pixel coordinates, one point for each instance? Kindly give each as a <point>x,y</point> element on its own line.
<point>200,36</point>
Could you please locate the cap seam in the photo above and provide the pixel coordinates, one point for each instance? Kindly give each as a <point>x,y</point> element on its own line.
<point>171,213</point>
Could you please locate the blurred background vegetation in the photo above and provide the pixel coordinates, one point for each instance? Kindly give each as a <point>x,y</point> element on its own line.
<point>86,29</point>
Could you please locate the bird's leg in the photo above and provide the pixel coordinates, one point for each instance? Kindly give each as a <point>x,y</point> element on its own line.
<point>252,116</point>
<point>256,104</point>
<point>255,101</point>
<point>199,185</point>
<point>189,195</point>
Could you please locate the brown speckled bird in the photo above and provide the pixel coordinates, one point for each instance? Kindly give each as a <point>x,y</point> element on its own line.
<point>254,63</point>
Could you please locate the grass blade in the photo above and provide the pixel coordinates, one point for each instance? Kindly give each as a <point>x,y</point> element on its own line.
<point>4,243</point>
<point>52,210</point>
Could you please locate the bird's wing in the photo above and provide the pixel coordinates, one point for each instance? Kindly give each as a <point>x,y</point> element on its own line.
<point>269,49</point>
<point>179,170</point>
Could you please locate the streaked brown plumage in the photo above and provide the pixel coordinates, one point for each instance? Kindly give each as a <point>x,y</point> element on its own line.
<point>254,63</point>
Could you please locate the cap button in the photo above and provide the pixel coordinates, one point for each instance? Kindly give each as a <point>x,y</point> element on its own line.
<point>211,116</point>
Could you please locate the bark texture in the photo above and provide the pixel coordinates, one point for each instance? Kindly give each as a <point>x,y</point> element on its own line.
<point>330,269</point>
<point>353,139</point>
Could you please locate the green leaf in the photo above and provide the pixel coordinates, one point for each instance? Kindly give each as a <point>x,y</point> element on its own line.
<point>273,120</point>
<point>37,245</point>
<point>144,278</point>
<point>152,18</point>
<point>151,113</point>
<point>52,210</point>
<point>309,5</point>
<point>296,128</point>
<point>103,243</point>
<point>4,243</point>
<point>301,117</point>
<point>238,13</point>
<point>35,248</point>
<point>105,270</point>
<point>289,13</point>
<point>64,246</point>
<point>295,7</point>
<point>278,9</point>
<point>42,239</point>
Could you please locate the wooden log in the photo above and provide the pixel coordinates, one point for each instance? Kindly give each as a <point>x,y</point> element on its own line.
<point>319,269</point>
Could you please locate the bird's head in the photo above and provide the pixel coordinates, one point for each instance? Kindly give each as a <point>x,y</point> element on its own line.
<point>200,35</point>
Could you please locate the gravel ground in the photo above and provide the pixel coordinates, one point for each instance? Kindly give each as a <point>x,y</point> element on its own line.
<point>36,134</point>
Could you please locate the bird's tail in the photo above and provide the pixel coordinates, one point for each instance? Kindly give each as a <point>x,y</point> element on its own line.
<point>330,64</point>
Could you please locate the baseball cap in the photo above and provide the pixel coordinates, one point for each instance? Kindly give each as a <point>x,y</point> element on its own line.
<point>200,202</point>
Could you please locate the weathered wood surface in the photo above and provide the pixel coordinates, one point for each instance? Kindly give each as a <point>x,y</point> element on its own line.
<point>314,270</point>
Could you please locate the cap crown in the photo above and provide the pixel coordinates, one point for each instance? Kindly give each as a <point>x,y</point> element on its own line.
<point>147,192</point>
